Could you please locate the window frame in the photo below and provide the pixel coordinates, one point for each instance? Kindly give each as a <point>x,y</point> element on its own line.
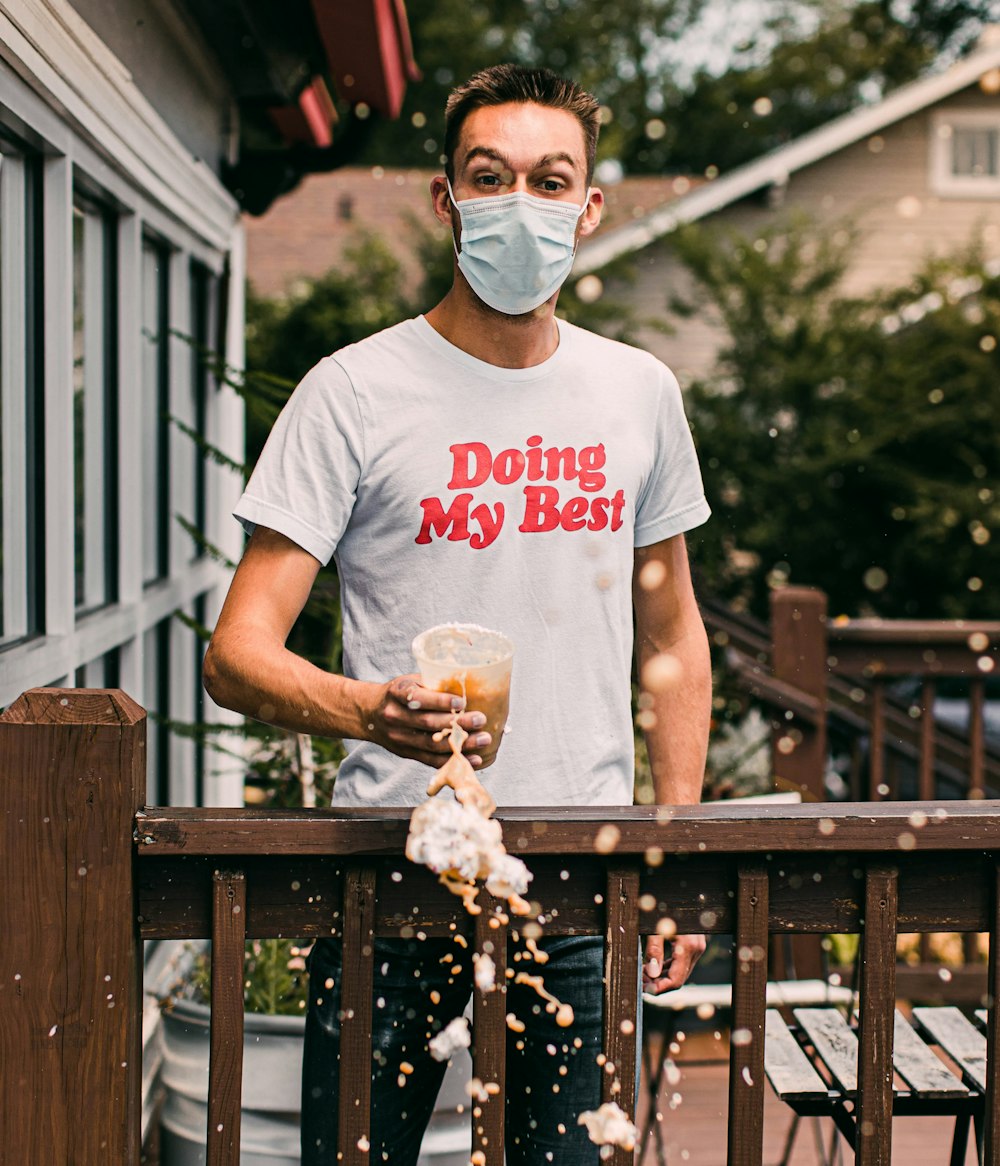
<point>943,181</point>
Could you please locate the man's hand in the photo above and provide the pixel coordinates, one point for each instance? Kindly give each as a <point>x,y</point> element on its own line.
<point>407,716</point>
<point>684,954</point>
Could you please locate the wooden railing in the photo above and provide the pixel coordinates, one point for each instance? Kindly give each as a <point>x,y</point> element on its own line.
<point>88,873</point>
<point>821,677</point>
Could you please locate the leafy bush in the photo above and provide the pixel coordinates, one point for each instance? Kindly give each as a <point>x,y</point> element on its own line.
<point>847,443</point>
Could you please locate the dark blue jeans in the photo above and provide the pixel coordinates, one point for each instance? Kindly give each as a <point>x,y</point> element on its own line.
<point>552,1074</point>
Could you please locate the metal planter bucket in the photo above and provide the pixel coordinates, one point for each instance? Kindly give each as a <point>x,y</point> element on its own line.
<point>272,1072</point>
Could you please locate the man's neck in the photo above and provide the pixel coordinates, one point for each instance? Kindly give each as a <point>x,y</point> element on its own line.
<point>506,341</point>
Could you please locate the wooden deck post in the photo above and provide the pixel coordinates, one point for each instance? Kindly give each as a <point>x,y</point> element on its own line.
<point>72,775</point>
<point>798,647</point>
<point>798,654</point>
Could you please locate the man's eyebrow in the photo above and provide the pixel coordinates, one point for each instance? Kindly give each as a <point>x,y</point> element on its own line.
<point>496,156</point>
<point>486,152</point>
<point>560,156</point>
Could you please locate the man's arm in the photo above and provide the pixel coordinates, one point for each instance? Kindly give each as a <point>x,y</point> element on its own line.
<point>675,671</point>
<point>249,669</point>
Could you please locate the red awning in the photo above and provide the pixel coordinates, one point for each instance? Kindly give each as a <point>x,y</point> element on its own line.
<point>367,43</point>
<point>311,119</point>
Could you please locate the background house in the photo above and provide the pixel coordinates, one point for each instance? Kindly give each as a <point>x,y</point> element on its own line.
<point>304,235</point>
<point>132,134</point>
<point>917,174</point>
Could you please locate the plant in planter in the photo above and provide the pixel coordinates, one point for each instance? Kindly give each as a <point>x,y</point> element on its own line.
<point>275,997</point>
<point>275,992</point>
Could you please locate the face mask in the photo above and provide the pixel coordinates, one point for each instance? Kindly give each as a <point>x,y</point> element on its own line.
<point>517,250</point>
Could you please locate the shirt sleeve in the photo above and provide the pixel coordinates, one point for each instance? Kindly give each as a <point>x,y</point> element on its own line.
<point>672,499</point>
<point>306,480</point>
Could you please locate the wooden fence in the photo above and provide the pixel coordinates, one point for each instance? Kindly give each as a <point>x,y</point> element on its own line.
<point>88,873</point>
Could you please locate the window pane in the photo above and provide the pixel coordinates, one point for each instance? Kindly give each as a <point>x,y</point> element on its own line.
<point>974,152</point>
<point>103,672</point>
<point>156,699</point>
<point>203,322</point>
<point>79,458</point>
<point>22,478</point>
<point>94,405</point>
<point>155,411</point>
<point>4,522</point>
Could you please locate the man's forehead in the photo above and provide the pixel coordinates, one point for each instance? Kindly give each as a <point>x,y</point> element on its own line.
<point>522,134</point>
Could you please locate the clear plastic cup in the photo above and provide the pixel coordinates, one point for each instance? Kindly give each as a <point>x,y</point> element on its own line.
<point>474,662</point>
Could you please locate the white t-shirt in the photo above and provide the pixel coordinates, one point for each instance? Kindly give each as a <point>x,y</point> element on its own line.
<point>449,489</point>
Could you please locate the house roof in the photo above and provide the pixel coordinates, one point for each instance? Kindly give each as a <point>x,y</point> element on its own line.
<point>775,167</point>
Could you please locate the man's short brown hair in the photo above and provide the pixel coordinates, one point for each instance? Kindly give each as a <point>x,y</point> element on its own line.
<point>503,84</point>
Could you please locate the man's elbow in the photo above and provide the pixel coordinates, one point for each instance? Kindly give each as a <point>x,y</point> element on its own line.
<point>217,676</point>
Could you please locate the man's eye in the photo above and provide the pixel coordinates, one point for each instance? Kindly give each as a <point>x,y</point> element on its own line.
<point>551,185</point>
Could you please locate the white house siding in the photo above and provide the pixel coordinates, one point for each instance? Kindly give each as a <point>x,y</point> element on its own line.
<point>107,216</point>
<point>882,185</point>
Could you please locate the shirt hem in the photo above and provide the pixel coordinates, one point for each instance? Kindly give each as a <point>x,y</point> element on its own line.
<point>252,512</point>
<point>687,518</point>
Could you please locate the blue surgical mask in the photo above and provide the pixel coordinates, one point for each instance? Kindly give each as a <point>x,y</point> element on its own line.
<point>517,250</point>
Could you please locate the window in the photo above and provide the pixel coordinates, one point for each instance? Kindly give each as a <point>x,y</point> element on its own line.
<point>156,698</point>
<point>22,467</point>
<point>203,313</point>
<point>104,672</point>
<point>200,616</point>
<point>95,405</point>
<point>155,410</point>
<point>965,154</point>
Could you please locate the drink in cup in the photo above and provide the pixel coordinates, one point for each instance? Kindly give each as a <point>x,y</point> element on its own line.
<point>469,661</point>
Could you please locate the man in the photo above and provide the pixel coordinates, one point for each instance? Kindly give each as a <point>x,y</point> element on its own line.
<point>485,463</point>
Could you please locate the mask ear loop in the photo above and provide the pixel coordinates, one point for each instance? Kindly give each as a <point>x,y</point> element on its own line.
<point>583,211</point>
<point>454,203</point>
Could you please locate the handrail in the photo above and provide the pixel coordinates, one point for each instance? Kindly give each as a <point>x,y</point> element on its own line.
<point>713,827</point>
<point>78,847</point>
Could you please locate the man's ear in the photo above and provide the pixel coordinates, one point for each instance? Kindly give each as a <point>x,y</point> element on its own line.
<point>591,218</point>
<point>441,200</point>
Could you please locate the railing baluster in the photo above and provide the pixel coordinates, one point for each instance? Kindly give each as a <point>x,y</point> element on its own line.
<point>621,990</point>
<point>928,695</point>
<point>225,1066</point>
<point>876,759</point>
<point>991,1142</point>
<point>977,739</point>
<point>878,1002</point>
<point>355,1086</point>
<point>746,1050</point>
<point>489,1057</point>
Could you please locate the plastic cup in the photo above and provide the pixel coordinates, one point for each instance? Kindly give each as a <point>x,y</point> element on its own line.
<point>474,662</point>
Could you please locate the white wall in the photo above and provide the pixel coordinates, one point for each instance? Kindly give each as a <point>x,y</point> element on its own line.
<point>80,143</point>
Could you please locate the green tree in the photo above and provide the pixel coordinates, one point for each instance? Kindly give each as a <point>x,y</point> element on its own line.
<point>858,53</point>
<point>613,51</point>
<point>657,117</point>
<point>847,444</point>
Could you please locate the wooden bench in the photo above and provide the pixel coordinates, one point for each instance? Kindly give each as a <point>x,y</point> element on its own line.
<point>813,1067</point>
<point>665,1010</point>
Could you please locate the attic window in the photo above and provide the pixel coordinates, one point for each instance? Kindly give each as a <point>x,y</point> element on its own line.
<point>965,154</point>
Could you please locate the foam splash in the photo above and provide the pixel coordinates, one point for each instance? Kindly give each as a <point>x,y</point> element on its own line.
<point>609,1125</point>
<point>450,1039</point>
<point>459,840</point>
